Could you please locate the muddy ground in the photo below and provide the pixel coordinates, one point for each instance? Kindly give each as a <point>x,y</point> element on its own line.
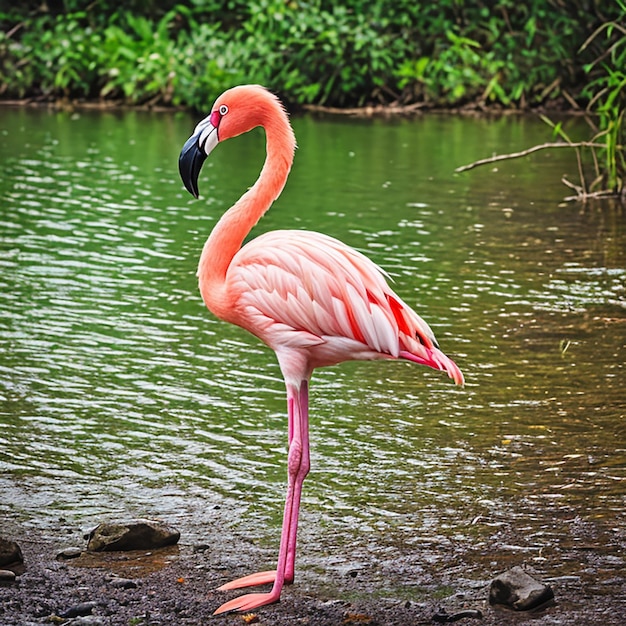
<point>176,586</point>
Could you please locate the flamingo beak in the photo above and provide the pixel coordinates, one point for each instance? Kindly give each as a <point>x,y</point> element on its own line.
<point>194,154</point>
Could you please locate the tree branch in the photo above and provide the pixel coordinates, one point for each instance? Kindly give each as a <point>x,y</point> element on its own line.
<point>523,153</point>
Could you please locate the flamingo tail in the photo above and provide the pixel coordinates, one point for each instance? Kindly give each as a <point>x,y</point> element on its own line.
<point>438,361</point>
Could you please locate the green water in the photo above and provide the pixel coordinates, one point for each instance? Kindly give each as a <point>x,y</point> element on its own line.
<point>120,395</point>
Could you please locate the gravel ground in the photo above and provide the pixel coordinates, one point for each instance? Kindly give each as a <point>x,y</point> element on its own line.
<point>174,586</point>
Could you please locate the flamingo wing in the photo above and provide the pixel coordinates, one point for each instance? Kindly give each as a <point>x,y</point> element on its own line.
<point>306,290</point>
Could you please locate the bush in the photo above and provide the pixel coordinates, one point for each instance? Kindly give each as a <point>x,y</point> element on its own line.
<point>607,98</point>
<point>449,53</point>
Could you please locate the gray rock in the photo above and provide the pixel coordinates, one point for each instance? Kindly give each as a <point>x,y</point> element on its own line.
<point>69,553</point>
<point>134,535</point>
<point>123,583</point>
<point>10,553</point>
<point>201,547</point>
<point>88,620</point>
<point>515,589</point>
<point>7,576</point>
<point>443,617</point>
<point>79,610</point>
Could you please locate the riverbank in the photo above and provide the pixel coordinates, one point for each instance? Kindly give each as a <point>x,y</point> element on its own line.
<point>324,54</point>
<point>176,585</point>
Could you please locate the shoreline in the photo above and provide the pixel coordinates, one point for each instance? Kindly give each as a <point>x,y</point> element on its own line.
<point>176,585</point>
<point>368,111</point>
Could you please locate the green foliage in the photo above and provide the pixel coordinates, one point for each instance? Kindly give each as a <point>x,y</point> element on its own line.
<point>607,98</point>
<point>60,57</point>
<point>449,53</point>
<point>457,72</point>
<point>606,94</point>
<point>222,64</point>
<point>141,60</point>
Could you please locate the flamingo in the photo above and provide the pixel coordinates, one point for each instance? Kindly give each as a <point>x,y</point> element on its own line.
<point>312,299</point>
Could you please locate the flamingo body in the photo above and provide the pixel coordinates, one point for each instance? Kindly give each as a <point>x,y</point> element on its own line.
<point>310,293</point>
<point>312,299</point>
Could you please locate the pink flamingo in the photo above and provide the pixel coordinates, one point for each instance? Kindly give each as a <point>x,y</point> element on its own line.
<point>309,297</point>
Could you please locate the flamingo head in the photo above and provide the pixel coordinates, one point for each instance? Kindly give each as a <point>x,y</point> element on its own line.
<point>235,112</point>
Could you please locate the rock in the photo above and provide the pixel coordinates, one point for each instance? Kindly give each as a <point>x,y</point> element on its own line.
<point>135,535</point>
<point>69,553</point>
<point>7,576</point>
<point>123,583</point>
<point>10,553</point>
<point>443,617</point>
<point>79,610</point>
<point>87,620</point>
<point>201,547</point>
<point>517,590</point>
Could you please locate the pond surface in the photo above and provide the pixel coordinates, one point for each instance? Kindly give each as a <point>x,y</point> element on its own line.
<point>121,396</point>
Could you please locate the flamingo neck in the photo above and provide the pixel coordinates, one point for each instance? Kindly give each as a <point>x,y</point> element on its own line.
<point>227,237</point>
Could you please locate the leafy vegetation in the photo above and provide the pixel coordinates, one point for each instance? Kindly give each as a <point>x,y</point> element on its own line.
<point>607,98</point>
<point>450,53</point>
<point>605,93</point>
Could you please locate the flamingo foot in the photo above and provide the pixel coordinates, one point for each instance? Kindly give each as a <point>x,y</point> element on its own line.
<point>248,602</point>
<point>260,578</point>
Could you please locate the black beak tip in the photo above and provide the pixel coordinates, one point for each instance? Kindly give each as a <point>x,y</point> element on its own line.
<point>193,191</point>
<point>189,165</point>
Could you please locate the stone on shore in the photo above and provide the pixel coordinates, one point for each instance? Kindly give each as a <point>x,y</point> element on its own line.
<point>134,535</point>
<point>69,553</point>
<point>515,589</point>
<point>7,576</point>
<point>79,610</point>
<point>10,553</point>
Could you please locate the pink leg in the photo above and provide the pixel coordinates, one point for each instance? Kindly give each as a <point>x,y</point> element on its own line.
<point>298,468</point>
<point>302,471</point>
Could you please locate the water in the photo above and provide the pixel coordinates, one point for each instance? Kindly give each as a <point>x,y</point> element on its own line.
<point>120,395</point>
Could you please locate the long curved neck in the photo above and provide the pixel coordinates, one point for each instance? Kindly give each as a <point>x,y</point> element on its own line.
<point>228,235</point>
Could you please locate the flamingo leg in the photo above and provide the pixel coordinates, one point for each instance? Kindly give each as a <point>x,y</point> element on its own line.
<point>298,467</point>
<point>304,466</point>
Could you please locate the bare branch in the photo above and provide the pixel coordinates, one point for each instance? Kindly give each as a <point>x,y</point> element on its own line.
<point>596,195</point>
<point>523,153</point>
<point>581,174</point>
<point>12,32</point>
<point>583,196</point>
<point>577,188</point>
<point>598,30</point>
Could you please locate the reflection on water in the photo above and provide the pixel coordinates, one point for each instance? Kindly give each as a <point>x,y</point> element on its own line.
<point>120,394</point>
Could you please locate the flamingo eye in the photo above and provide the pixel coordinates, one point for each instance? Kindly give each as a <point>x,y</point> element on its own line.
<point>223,109</point>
